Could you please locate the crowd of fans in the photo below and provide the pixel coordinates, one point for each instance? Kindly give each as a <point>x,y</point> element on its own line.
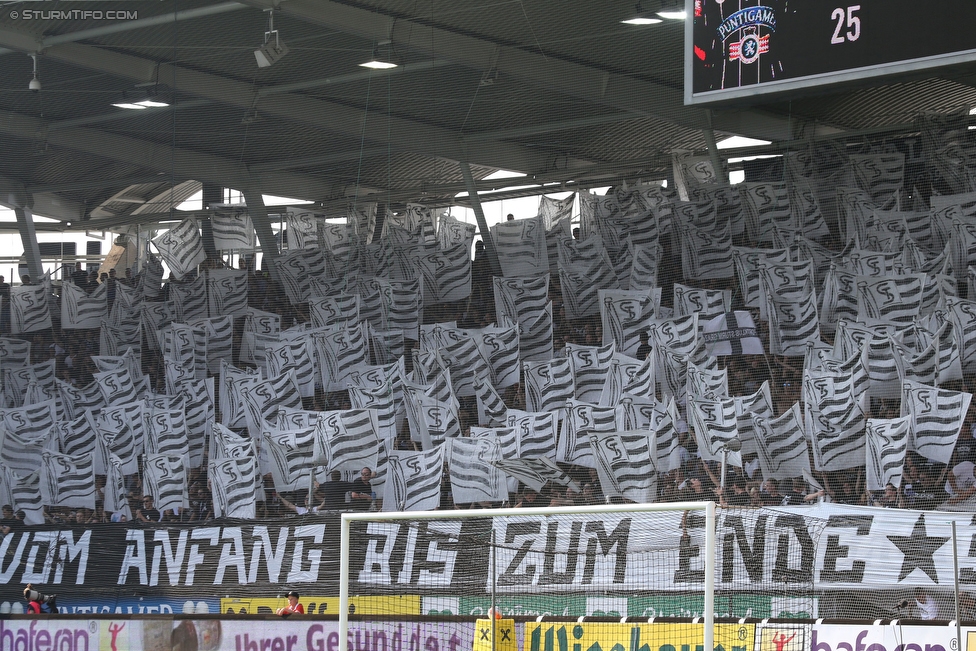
<point>925,484</point>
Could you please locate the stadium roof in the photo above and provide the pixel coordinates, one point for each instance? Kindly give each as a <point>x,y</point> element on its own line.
<point>562,92</point>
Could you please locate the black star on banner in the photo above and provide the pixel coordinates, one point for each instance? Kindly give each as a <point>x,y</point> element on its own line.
<point>918,549</point>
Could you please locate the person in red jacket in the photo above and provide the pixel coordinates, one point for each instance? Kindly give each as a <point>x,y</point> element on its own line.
<point>293,606</point>
<point>40,604</point>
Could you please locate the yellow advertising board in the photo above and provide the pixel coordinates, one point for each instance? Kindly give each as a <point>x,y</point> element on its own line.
<point>613,636</point>
<point>318,605</point>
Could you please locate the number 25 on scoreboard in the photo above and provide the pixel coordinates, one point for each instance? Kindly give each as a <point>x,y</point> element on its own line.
<point>853,24</point>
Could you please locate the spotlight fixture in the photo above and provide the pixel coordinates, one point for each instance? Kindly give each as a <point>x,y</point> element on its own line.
<point>35,83</point>
<point>642,16</point>
<point>273,49</point>
<point>140,100</point>
<point>378,62</point>
<point>672,10</point>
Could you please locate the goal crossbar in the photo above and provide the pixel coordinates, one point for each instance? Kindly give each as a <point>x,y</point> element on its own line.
<point>708,641</point>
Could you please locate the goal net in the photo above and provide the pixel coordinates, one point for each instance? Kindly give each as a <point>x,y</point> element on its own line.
<point>640,562</point>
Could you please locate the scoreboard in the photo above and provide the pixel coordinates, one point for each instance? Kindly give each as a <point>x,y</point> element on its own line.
<point>743,48</point>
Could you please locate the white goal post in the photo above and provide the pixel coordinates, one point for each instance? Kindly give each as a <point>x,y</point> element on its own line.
<point>708,549</point>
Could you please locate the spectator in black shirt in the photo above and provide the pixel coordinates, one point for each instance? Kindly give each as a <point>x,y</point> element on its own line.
<point>645,348</point>
<point>148,513</point>
<point>8,523</point>
<point>334,492</point>
<point>362,490</point>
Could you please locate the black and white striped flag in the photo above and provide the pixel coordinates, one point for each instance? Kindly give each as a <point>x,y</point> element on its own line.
<point>116,386</point>
<point>31,421</point>
<point>263,399</point>
<point>839,296</point>
<point>447,271</point>
<point>835,418</point>
<point>712,384</point>
<point>115,340</point>
<point>785,281</point>
<point>16,380</point>
<point>25,493</point>
<point>887,442</point>
<point>232,228</point>
<point>20,453</point>
<point>628,375</point>
<point>296,356</point>
<point>188,300</point>
<point>29,309</point>
<point>388,345</point>
<point>291,454</point>
<point>625,315</point>
<point>521,247</point>
<point>589,366</point>
<point>303,228</point>
<point>14,352</point>
<point>766,206</point>
<point>536,432</point>
<point>341,352</point>
<point>166,432</point>
<point>226,292</point>
<point>79,310</point>
<point>707,303</point>
<point>79,436</point>
<point>474,475</point>
<point>535,337</point>
<point>536,472</point>
<point>262,323</point>
<point>350,440</point>
<point>882,176</point>
<point>165,478</point>
<point>233,481</point>
<point>625,465</point>
<point>231,404</point>
<point>382,400</point>
<point>181,247</point>
<point>584,269</point>
<point>748,263</point>
<point>115,490</point>
<point>638,412</point>
<point>500,347</point>
<point>328,311</point>
<point>706,254</point>
<point>890,298</point>
<point>645,260</point>
<point>296,268</point>
<point>120,432</point>
<point>491,407</point>
<point>414,480</point>
<point>937,417</point>
<point>432,421</point>
<point>198,405</point>
<point>151,278</point>
<point>155,317</point>
<point>520,300</point>
<point>793,324</point>
<point>962,314</point>
<point>78,401</point>
<point>548,385</point>
<point>935,364</point>
<point>782,444</point>
<point>759,403</point>
<point>187,346</point>
<point>581,420</point>
<point>715,425</point>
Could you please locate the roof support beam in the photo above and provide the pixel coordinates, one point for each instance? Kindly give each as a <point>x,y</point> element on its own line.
<point>160,157</point>
<point>625,92</point>
<point>329,116</point>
